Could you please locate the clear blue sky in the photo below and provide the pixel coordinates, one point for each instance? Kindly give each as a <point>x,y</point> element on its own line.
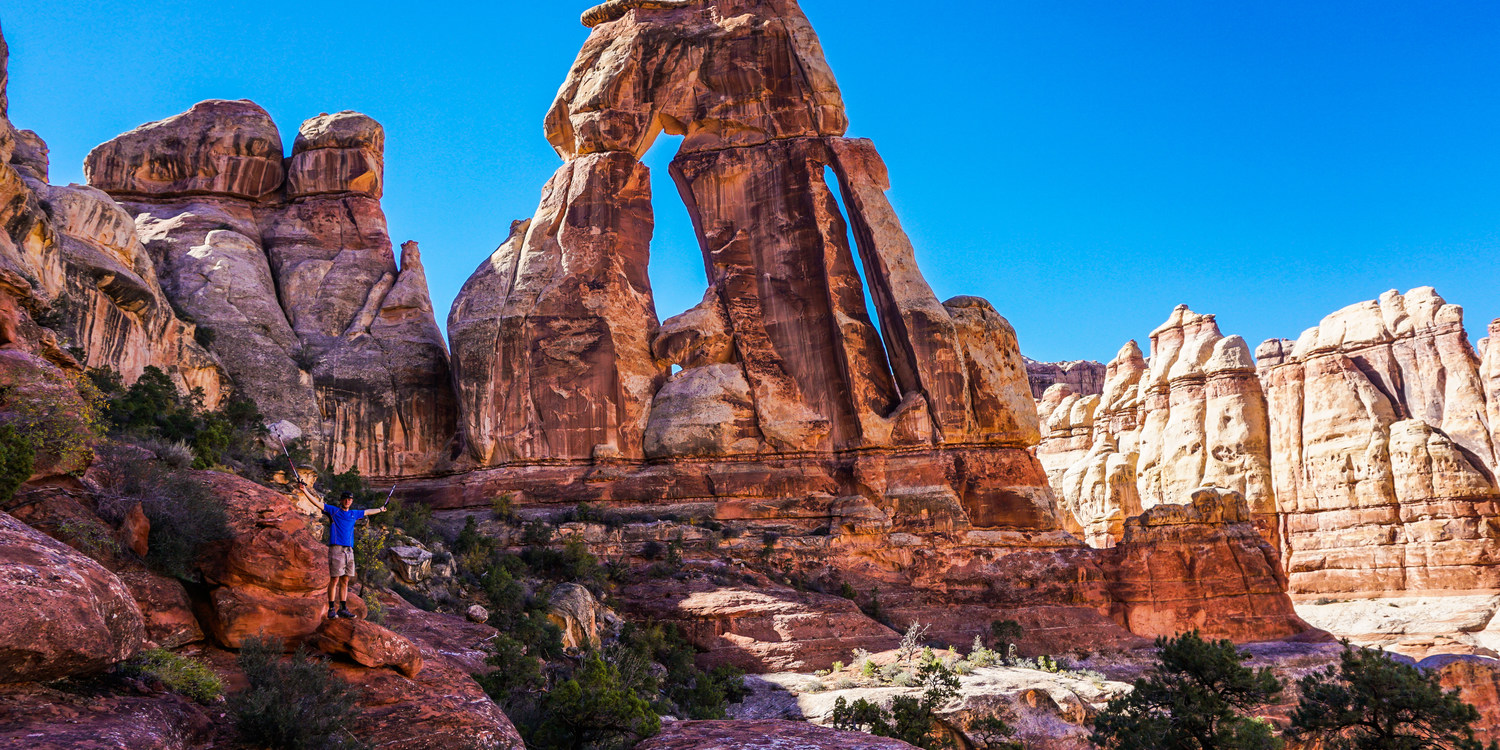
<point>1085,165</point>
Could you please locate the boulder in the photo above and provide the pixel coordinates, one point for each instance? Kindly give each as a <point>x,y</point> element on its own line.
<point>367,644</point>
<point>64,614</point>
<point>476,613</point>
<point>412,564</point>
<point>217,147</point>
<point>583,620</point>
<point>338,153</point>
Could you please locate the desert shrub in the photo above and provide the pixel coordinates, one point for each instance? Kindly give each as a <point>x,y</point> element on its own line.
<point>682,689</point>
<point>653,550</point>
<point>305,358</point>
<point>184,514</point>
<point>370,543</point>
<point>414,519</point>
<point>59,415</point>
<point>174,453</point>
<point>180,674</point>
<point>470,540</point>
<point>335,485</point>
<point>872,608</point>
<point>89,537</point>
<point>152,408</point>
<point>17,457</point>
<point>291,703</point>
<point>374,607</point>
<point>502,507</point>
<point>593,709</point>
<point>992,733</point>
<point>911,641</point>
<point>1004,634</point>
<point>516,672</point>
<point>1198,695</point>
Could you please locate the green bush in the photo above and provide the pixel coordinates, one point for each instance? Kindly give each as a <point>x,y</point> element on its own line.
<point>515,673</point>
<point>909,718</point>
<point>17,457</point>
<point>152,408</point>
<point>292,703</point>
<point>680,688</point>
<point>593,710</point>
<point>1199,695</point>
<point>180,674</point>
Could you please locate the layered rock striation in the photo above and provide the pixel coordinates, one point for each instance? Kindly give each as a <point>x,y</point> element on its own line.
<point>288,263</point>
<point>1366,447</point>
<point>1080,376</point>
<point>1383,454</point>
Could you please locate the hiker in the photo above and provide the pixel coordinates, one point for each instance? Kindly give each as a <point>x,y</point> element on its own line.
<point>341,550</point>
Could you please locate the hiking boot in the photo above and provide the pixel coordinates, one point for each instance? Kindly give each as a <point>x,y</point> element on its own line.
<point>332,613</point>
<point>344,612</point>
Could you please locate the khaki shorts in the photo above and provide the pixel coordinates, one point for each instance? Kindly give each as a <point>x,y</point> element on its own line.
<point>340,561</point>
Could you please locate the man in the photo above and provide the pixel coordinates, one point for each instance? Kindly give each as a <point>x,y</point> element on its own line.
<point>341,551</point>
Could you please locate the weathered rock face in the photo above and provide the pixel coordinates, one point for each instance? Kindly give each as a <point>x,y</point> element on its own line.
<point>1375,437</point>
<point>1383,464</point>
<point>1080,376</point>
<point>70,259</point>
<point>293,272</point>
<point>63,614</point>
<point>270,578</point>
<point>1180,566</point>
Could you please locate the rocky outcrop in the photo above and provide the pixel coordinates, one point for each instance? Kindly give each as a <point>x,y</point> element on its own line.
<point>1477,681</point>
<point>367,644</point>
<point>1382,461</point>
<point>63,614</point>
<point>37,717</point>
<point>270,578</point>
<point>763,733</point>
<point>292,271</point>
<point>769,629</point>
<point>76,286</point>
<point>1080,376</point>
<point>1180,567</point>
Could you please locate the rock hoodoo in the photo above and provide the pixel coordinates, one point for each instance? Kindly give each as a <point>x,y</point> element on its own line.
<point>292,270</point>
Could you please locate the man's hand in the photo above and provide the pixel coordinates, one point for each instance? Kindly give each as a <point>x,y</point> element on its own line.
<point>374,511</point>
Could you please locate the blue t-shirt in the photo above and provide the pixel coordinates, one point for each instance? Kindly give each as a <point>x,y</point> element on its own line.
<point>341,531</point>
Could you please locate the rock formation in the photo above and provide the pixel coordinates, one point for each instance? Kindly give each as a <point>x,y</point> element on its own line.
<point>558,353</point>
<point>1370,443</point>
<point>292,270</point>
<point>777,733</point>
<point>1383,461</point>
<point>1083,376</point>
<point>1195,415</point>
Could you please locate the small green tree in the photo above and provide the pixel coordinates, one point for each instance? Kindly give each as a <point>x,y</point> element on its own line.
<point>992,733</point>
<point>594,711</point>
<point>1373,702</point>
<point>910,719</point>
<point>1004,634</point>
<point>1198,697</point>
